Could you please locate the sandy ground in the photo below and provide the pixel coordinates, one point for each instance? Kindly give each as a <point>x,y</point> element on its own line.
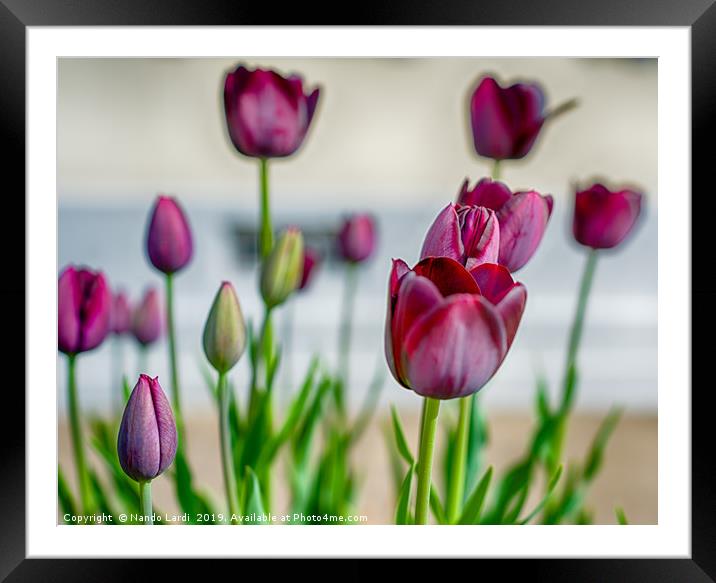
<point>628,477</point>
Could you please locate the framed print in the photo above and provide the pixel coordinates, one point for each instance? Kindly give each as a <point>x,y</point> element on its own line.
<point>321,290</point>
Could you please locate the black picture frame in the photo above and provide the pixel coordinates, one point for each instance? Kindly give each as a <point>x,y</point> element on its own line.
<point>16,15</point>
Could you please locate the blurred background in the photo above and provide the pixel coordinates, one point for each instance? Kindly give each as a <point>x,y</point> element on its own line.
<point>391,136</point>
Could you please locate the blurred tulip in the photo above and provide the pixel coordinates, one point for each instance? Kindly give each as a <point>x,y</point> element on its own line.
<point>224,332</point>
<point>281,272</point>
<point>357,238</point>
<point>121,314</point>
<point>311,261</point>
<point>467,234</point>
<point>169,241</point>
<point>522,216</point>
<point>445,337</point>
<point>267,115</point>
<point>147,318</point>
<point>147,440</point>
<point>602,218</point>
<point>84,307</point>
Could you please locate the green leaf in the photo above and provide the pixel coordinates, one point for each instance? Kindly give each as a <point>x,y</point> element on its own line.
<point>304,435</point>
<point>473,506</point>
<point>67,503</point>
<point>102,502</point>
<point>550,488</point>
<point>514,485</point>
<point>596,452</point>
<point>371,400</point>
<point>621,517</point>
<point>543,409</point>
<point>400,441</point>
<point>478,438</point>
<point>396,464</point>
<point>436,506</point>
<point>569,386</point>
<point>209,380</point>
<point>124,486</point>
<point>401,511</point>
<point>252,503</point>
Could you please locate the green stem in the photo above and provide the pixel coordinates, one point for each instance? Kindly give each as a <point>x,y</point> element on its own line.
<point>116,396</point>
<point>145,502</point>
<point>429,423</point>
<point>227,457</point>
<point>496,170</point>
<point>171,332</point>
<point>266,234</point>
<point>456,492</point>
<point>77,439</point>
<point>344,334</point>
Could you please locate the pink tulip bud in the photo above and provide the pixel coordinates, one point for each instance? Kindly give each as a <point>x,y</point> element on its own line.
<point>84,304</point>
<point>147,440</point>
<point>602,218</point>
<point>169,241</point>
<point>357,238</point>
<point>444,337</point>
<point>267,115</point>
<point>121,314</point>
<point>147,319</point>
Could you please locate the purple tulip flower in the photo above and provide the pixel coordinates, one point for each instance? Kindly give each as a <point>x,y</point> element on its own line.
<point>267,115</point>
<point>169,241</point>
<point>84,305</point>
<point>602,218</point>
<point>311,261</point>
<point>522,216</point>
<point>449,329</point>
<point>147,319</point>
<point>121,314</point>
<point>357,238</point>
<point>147,441</point>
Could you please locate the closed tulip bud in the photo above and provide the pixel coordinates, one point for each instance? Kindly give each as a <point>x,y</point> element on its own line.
<point>523,218</point>
<point>282,270</point>
<point>147,319</point>
<point>224,331</point>
<point>267,115</point>
<point>602,218</point>
<point>169,241</point>
<point>468,234</point>
<point>121,314</point>
<point>357,238</point>
<point>448,329</point>
<point>311,261</point>
<point>147,441</point>
<point>84,306</point>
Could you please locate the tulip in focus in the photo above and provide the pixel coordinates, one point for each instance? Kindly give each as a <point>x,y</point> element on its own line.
<point>602,218</point>
<point>169,240</point>
<point>267,115</point>
<point>147,440</point>
<point>311,261</point>
<point>224,332</point>
<point>467,234</point>
<point>121,320</point>
<point>84,308</point>
<point>522,216</point>
<point>282,270</point>
<point>507,120</point>
<point>449,329</point>
<point>357,238</point>
<point>147,319</point>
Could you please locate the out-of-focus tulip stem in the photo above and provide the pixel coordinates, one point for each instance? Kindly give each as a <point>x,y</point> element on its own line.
<point>562,108</point>
<point>117,376</point>
<point>227,457</point>
<point>142,359</point>
<point>428,427</point>
<point>145,502</point>
<point>173,365</point>
<point>266,236</point>
<point>457,471</point>
<point>77,440</point>
<point>496,170</point>
<point>344,337</point>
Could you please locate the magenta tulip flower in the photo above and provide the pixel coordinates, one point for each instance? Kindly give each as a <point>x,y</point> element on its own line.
<point>468,234</point>
<point>357,238</point>
<point>84,306</point>
<point>267,115</point>
<point>147,319</point>
<point>121,314</point>
<point>523,218</point>
<point>449,329</point>
<point>147,441</point>
<point>602,218</point>
<point>311,262</point>
<point>169,240</point>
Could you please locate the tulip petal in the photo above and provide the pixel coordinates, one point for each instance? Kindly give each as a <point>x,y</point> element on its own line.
<point>443,237</point>
<point>169,240</point>
<point>489,193</point>
<point>511,307</point>
<point>492,129</point>
<point>448,275</point>
<point>138,444</point>
<point>95,310</point>
<point>69,297</point>
<point>494,281</point>
<point>480,235</point>
<point>603,219</point>
<point>454,349</point>
<point>523,221</point>
<point>397,272</point>
<point>166,426</point>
